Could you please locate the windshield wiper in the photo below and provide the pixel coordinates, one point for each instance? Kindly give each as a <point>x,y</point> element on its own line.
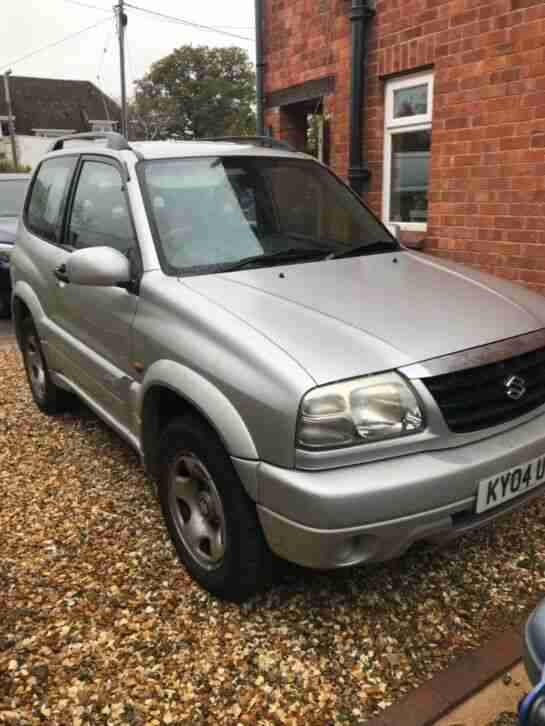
<point>369,248</point>
<point>290,255</point>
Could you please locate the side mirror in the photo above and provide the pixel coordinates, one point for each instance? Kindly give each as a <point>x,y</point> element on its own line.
<point>100,266</point>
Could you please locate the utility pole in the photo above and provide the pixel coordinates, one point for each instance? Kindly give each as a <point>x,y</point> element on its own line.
<point>121,25</point>
<point>259,66</point>
<point>11,125</point>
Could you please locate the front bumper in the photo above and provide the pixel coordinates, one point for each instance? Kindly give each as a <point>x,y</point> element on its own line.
<point>375,511</point>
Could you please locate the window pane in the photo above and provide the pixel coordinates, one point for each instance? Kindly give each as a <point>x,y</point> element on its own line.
<point>100,215</point>
<point>409,180</point>
<point>311,204</point>
<point>411,101</point>
<point>47,197</point>
<point>210,212</point>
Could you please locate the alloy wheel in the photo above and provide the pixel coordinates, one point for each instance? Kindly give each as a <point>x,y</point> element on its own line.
<point>197,510</point>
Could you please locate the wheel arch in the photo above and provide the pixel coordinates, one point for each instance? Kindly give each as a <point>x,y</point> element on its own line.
<point>25,303</point>
<point>170,389</point>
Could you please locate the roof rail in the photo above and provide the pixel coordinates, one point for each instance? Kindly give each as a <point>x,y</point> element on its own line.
<point>266,142</point>
<point>114,140</point>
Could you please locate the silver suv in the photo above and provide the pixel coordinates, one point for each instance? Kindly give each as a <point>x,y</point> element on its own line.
<point>296,381</point>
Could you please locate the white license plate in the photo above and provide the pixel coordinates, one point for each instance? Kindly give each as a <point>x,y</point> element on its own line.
<point>511,483</point>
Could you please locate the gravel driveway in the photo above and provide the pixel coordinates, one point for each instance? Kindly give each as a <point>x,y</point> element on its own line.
<point>6,334</point>
<point>100,625</point>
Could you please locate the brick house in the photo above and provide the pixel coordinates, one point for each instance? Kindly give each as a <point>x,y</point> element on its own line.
<point>449,141</point>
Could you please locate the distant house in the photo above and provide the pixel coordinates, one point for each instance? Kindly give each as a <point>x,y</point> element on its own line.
<point>49,107</point>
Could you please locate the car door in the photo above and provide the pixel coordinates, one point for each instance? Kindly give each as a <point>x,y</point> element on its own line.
<point>97,321</point>
<point>39,250</point>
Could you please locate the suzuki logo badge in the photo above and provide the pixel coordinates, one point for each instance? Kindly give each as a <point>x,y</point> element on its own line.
<point>515,387</point>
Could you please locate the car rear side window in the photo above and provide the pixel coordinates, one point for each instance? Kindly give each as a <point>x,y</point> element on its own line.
<point>100,213</point>
<point>44,211</point>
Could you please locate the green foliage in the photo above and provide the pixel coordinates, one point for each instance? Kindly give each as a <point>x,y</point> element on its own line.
<point>196,92</point>
<point>7,167</point>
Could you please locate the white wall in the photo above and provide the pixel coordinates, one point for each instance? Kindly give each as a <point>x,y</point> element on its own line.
<point>30,149</point>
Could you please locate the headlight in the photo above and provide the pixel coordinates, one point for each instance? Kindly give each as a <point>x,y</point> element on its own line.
<point>359,411</point>
<point>4,258</point>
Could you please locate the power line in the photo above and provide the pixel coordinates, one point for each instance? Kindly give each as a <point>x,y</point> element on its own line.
<point>86,5</point>
<point>99,71</point>
<point>214,27</point>
<point>189,23</point>
<point>53,45</point>
<point>103,53</point>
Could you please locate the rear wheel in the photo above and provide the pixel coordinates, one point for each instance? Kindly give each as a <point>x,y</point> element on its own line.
<point>49,398</point>
<point>210,518</point>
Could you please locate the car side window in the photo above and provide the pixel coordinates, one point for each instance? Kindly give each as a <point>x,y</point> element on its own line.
<point>100,213</point>
<point>45,206</point>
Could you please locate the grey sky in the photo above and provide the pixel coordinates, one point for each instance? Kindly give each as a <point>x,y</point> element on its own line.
<point>27,25</point>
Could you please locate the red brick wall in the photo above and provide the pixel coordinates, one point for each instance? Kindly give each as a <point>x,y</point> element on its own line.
<point>306,40</point>
<point>487,198</point>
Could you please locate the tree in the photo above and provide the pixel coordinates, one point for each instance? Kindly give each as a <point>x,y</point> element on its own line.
<point>196,92</point>
<point>150,118</point>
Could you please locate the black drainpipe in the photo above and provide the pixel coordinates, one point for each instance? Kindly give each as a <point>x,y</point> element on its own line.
<point>260,124</point>
<point>360,14</point>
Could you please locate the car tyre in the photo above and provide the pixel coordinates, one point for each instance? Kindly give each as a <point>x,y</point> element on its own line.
<point>211,520</point>
<point>49,398</point>
<point>5,307</point>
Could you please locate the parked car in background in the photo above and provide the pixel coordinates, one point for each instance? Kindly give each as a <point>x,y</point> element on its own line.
<point>295,380</point>
<point>532,708</point>
<point>12,196</point>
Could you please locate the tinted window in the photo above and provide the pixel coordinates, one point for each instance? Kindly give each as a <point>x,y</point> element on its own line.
<point>44,214</point>
<point>100,214</point>
<point>212,212</point>
<point>12,196</point>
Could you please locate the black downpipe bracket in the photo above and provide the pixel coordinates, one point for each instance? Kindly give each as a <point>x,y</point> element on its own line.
<point>259,65</point>
<point>360,14</point>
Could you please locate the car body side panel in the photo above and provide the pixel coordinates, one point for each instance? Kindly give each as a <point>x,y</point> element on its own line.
<point>96,338</point>
<point>208,399</point>
<point>49,333</point>
<point>33,262</point>
<point>261,382</point>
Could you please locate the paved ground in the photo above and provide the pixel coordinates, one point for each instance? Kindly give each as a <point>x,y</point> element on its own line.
<point>495,704</point>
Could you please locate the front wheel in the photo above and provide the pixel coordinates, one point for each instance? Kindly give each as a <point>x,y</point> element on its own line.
<point>210,518</point>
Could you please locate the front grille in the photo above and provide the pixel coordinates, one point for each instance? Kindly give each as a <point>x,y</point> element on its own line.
<point>476,398</point>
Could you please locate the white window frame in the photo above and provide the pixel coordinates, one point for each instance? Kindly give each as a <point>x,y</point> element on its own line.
<point>392,126</point>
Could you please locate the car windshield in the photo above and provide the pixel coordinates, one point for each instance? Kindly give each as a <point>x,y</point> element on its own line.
<point>216,214</point>
<point>12,196</point>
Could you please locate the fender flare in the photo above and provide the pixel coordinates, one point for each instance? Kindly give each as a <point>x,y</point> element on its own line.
<point>202,395</point>
<point>23,292</point>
